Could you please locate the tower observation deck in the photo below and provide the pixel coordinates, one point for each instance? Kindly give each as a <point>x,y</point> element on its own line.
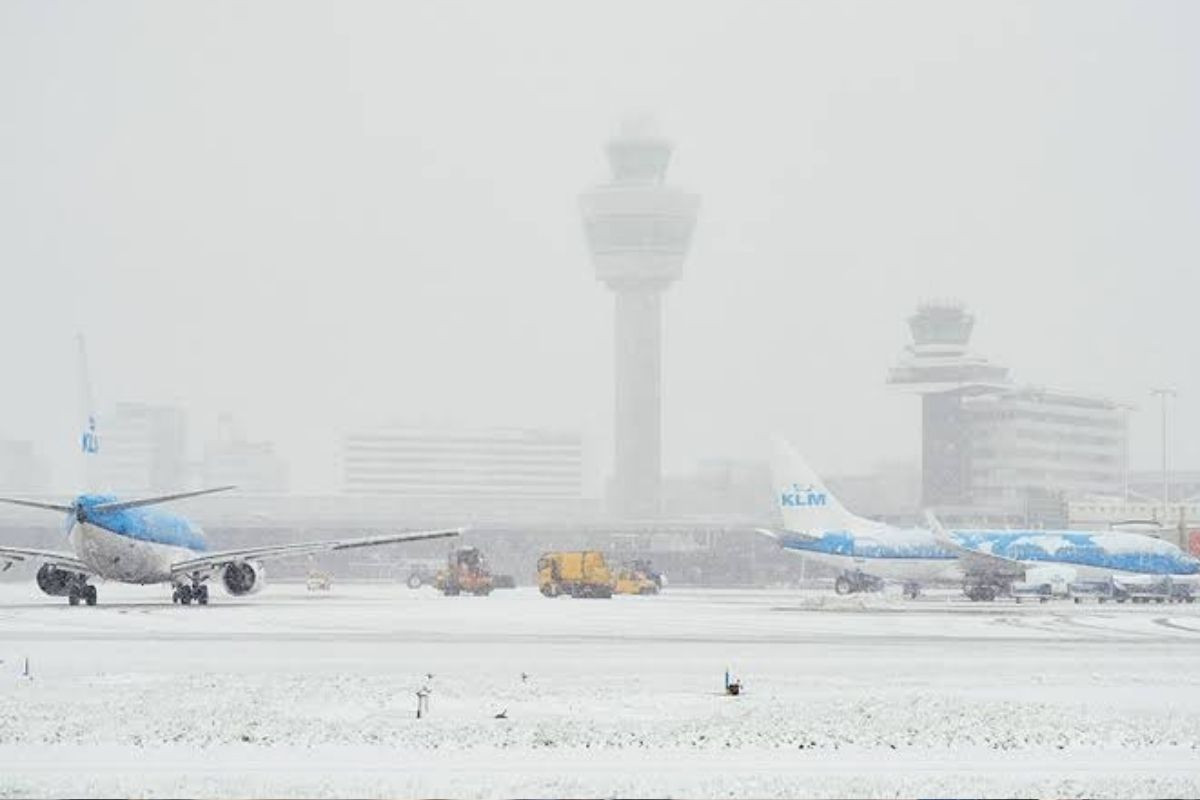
<point>638,230</point>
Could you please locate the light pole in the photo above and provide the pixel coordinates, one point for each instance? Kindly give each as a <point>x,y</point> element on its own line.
<point>1125,455</point>
<point>1163,394</point>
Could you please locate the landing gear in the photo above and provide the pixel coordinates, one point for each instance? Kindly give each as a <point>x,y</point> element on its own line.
<point>852,582</point>
<point>912,590</point>
<point>185,594</point>
<point>82,592</point>
<point>981,592</point>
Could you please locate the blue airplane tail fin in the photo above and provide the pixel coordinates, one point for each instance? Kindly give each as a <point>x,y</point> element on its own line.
<point>89,441</point>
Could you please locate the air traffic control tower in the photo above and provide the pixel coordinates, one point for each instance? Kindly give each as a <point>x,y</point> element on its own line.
<point>940,368</point>
<point>638,230</point>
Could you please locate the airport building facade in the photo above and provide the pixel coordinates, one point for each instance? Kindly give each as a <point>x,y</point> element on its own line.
<point>492,464</point>
<point>1025,439</point>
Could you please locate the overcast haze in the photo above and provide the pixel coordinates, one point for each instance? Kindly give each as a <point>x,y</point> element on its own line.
<point>327,216</point>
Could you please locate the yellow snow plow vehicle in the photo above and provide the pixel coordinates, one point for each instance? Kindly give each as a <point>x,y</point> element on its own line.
<point>581,573</point>
<point>637,577</point>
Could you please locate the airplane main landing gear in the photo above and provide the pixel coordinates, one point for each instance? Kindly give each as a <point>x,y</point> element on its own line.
<point>82,591</point>
<point>185,594</point>
<point>982,592</point>
<point>853,582</point>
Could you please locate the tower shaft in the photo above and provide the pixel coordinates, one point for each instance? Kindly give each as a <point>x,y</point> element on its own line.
<point>638,434</point>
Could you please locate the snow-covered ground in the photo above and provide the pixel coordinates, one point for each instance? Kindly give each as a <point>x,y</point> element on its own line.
<point>299,693</point>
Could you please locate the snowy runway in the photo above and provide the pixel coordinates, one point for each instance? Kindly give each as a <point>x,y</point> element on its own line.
<point>292,692</point>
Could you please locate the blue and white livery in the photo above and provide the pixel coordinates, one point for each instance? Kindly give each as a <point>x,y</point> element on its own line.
<point>132,541</point>
<point>986,562</point>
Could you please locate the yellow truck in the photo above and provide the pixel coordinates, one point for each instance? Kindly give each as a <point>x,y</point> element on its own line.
<point>635,579</point>
<point>582,573</point>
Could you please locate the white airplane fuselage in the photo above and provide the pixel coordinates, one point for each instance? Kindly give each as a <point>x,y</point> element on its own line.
<point>914,556</point>
<point>123,558</point>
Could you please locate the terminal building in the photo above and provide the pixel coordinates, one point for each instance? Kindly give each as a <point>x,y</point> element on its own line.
<point>491,464</point>
<point>995,451</point>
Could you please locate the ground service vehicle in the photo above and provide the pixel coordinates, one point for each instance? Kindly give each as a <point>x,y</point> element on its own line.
<point>1166,590</point>
<point>637,577</point>
<point>466,572</point>
<point>581,573</point>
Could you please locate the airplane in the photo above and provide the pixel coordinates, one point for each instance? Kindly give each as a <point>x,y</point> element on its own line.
<point>131,541</point>
<point>986,562</point>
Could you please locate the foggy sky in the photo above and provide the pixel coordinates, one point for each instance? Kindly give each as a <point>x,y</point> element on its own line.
<point>326,216</point>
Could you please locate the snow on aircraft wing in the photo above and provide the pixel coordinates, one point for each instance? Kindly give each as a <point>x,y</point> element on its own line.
<point>212,561</point>
<point>782,536</point>
<point>974,560</point>
<point>9,555</point>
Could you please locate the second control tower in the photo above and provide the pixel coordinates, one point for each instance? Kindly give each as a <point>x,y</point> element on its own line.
<point>939,366</point>
<point>638,230</point>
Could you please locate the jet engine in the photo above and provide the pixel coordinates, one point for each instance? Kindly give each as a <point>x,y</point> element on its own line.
<point>243,577</point>
<point>57,582</point>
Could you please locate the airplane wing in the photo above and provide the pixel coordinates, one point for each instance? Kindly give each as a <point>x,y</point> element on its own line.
<point>783,536</point>
<point>10,555</point>
<point>16,501</point>
<point>121,505</point>
<point>975,561</point>
<point>212,561</point>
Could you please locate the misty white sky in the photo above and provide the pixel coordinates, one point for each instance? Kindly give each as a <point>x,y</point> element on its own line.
<point>322,216</point>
